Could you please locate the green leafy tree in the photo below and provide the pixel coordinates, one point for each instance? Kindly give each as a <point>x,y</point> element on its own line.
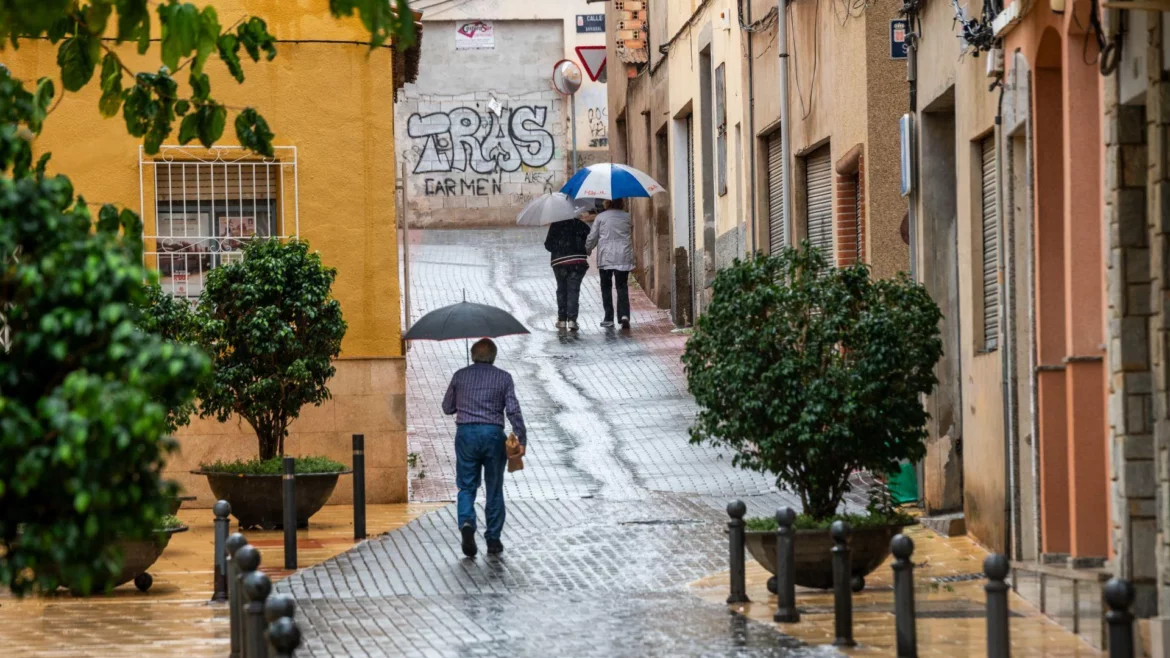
<point>273,330</point>
<point>87,33</point>
<point>84,392</point>
<point>89,387</point>
<point>809,372</point>
<point>171,318</point>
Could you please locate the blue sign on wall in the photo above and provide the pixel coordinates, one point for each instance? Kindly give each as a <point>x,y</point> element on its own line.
<point>898,29</point>
<point>590,23</point>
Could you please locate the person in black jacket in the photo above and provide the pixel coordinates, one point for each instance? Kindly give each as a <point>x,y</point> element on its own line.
<point>566,243</point>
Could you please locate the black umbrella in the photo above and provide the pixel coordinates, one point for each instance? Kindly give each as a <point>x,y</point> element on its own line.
<point>465,320</point>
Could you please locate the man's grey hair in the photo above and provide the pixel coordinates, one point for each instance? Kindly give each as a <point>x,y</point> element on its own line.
<point>483,351</point>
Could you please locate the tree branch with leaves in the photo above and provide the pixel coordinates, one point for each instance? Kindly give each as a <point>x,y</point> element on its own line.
<point>91,384</point>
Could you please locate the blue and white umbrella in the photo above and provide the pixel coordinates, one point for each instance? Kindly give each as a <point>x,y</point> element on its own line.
<point>610,181</point>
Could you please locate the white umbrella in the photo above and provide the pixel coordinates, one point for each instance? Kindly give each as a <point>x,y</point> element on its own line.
<point>547,209</point>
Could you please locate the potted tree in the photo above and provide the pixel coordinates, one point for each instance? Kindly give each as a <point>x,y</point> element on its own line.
<point>272,328</point>
<point>810,372</point>
<point>170,317</point>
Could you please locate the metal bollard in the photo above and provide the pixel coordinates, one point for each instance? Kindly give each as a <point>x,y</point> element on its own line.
<point>290,514</point>
<point>786,567</point>
<point>359,486</point>
<point>905,629</point>
<point>996,568</point>
<point>736,509</point>
<point>285,637</point>
<point>842,585</point>
<point>277,606</point>
<point>235,597</point>
<point>222,511</point>
<point>256,589</point>
<point>247,562</point>
<point>1119,596</point>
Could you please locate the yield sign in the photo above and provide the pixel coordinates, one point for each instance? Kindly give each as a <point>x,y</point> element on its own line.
<point>593,59</point>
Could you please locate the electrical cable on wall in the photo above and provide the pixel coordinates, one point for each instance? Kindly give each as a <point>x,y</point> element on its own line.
<point>975,34</point>
<point>805,112</point>
<point>852,8</point>
<point>767,22</point>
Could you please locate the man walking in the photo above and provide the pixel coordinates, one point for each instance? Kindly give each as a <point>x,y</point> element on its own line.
<point>481,394</point>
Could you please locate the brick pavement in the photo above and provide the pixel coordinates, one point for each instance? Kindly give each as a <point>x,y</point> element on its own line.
<point>614,513</point>
<point>607,409</point>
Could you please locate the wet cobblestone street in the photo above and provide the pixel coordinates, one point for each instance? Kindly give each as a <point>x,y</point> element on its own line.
<point>613,515</point>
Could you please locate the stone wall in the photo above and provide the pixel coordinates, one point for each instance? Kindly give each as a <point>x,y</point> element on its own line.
<point>1136,360</point>
<point>1148,551</point>
<point>369,397</point>
<point>482,132</point>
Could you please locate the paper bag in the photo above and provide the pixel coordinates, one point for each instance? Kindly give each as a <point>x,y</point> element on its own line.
<point>512,449</point>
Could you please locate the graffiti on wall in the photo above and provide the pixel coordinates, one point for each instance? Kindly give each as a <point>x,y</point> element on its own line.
<point>598,127</point>
<point>466,140</point>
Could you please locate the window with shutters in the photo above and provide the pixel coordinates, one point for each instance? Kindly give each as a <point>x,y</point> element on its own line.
<point>818,178</point>
<point>721,129</point>
<point>777,229</point>
<point>200,208</point>
<point>989,214</point>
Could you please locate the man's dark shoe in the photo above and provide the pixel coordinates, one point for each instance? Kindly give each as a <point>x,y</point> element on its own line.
<point>469,547</point>
<point>495,547</point>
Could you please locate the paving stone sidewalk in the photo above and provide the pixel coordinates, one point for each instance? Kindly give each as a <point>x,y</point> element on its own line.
<point>613,515</point>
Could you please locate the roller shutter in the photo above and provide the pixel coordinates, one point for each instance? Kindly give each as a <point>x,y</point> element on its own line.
<point>990,245</point>
<point>819,196</point>
<point>777,230</point>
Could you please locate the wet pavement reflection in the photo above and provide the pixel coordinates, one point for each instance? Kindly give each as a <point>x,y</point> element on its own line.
<point>614,513</point>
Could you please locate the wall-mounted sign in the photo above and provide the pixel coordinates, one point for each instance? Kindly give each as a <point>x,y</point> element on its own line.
<point>593,58</point>
<point>590,23</point>
<point>475,35</point>
<point>898,29</point>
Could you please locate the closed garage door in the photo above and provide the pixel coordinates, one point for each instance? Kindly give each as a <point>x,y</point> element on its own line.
<point>819,196</point>
<point>777,230</point>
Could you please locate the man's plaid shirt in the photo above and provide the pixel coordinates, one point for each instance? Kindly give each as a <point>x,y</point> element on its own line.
<point>482,393</point>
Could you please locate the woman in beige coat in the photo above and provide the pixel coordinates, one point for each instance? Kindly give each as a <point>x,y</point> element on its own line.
<point>613,237</point>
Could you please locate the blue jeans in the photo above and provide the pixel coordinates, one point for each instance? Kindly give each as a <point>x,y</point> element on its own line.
<point>481,446</point>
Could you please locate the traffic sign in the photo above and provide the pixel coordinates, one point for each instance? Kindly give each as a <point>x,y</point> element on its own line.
<point>593,59</point>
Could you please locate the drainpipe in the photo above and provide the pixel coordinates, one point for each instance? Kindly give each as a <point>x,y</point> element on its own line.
<point>1033,348</point>
<point>782,47</point>
<point>912,213</point>
<point>751,131</point>
<point>912,210</point>
<point>1007,348</point>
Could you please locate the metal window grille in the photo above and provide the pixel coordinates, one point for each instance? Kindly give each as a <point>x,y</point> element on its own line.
<point>200,207</point>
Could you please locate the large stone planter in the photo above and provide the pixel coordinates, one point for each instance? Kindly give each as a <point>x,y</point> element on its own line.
<point>138,555</point>
<point>814,566</point>
<point>257,500</point>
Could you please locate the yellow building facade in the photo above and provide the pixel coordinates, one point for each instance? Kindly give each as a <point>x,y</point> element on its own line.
<point>329,99</point>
